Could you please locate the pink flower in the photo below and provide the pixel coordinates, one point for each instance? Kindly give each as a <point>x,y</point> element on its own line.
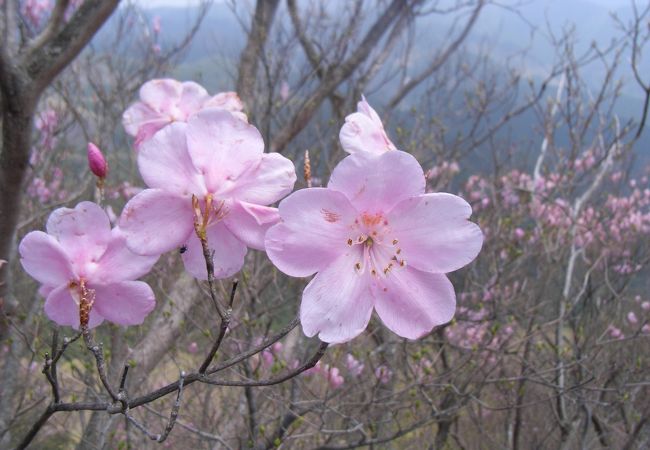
<point>383,374</point>
<point>155,24</point>
<point>219,159</point>
<point>80,250</point>
<point>364,132</point>
<point>193,347</point>
<point>166,101</point>
<point>354,366</point>
<point>334,377</point>
<point>645,306</point>
<point>285,91</point>
<point>631,317</point>
<point>378,242</point>
<point>96,161</point>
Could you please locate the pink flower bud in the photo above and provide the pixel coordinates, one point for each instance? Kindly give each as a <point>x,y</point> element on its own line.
<point>631,317</point>
<point>193,347</point>
<point>96,161</point>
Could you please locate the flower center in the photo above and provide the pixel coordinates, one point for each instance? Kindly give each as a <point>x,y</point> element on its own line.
<point>379,253</point>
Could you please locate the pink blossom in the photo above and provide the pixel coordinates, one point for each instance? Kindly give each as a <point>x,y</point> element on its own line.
<point>155,24</point>
<point>364,132</point>
<point>335,378</point>
<point>378,242</point>
<point>165,101</point>
<point>631,317</point>
<point>220,160</point>
<point>192,347</point>
<point>645,306</point>
<point>383,374</point>
<point>645,329</point>
<point>35,11</point>
<point>353,365</point>
<point>615,333</point>
<point>80,250</point>
<point>285,91</point>
<point>96,161</point>
<point>519,233</point>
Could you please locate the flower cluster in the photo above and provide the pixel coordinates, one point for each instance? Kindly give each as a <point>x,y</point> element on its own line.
<point>374,232</point>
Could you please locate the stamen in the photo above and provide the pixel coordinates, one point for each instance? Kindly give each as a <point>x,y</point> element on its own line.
<point>387,269</point>
<point>358,266</point>
<point>402,263</point>
<point>398,251</point>
<point>394,241</point>
<point>350,242</point>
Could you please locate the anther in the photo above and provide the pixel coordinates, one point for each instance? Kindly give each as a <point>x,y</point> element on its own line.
<point>357,266</point>
<point>394,241</point>
<point>350,242</point>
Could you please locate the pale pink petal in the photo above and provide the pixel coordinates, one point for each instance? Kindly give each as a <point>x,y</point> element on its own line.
<point>376,182</point>
<point>44,259</point>
<point>193,96</point>
<point>411,302</point>
<point>229,253</point>
<point>337,303</point>
<point>434,233</point>
<point>155,222</point>
<point>45,290</point>
<point>62,309</point>
<point>161,94</point>
<point>147,130</point>
<point>267,182</point>
<point>363,131</point>
<point>314,232</point>
<point>83,232</point>
<point>140,114</point>
<point>222,147</point>
<point>249,222</point>
<point>165,163</point>
<point>119,263</point>
<point>124,303</point>
<point>225,100</point>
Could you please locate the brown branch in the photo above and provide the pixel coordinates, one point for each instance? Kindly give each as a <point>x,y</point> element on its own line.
<point>249,60</point>
<point>439,61</point>
<point>338,74</point>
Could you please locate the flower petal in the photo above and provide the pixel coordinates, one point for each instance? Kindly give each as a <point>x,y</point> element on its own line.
<point>229,253</point>
<point>165,163</point>
<point>44,259</point>
<point>138,115</point>
<point>376,183</point>
<point>62,309</point>
<point>363,131</point>
<point>119,263</point>
<point>83,232</point>
<point>434,233</point>
<point>161,94</point>
<point>222,147</point>
<point>225,100</point>
<point>314,231</point>
<point>249,222</point>
<point>193,96</point>
<point>124,303</point>
<point>337,303</point>
<point>267,182</point>
<point>411,302</point>
<point>155,222</point>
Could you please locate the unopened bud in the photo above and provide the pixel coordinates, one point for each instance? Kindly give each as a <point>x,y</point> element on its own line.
<point>96,161</point>
<point>307,169</point>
